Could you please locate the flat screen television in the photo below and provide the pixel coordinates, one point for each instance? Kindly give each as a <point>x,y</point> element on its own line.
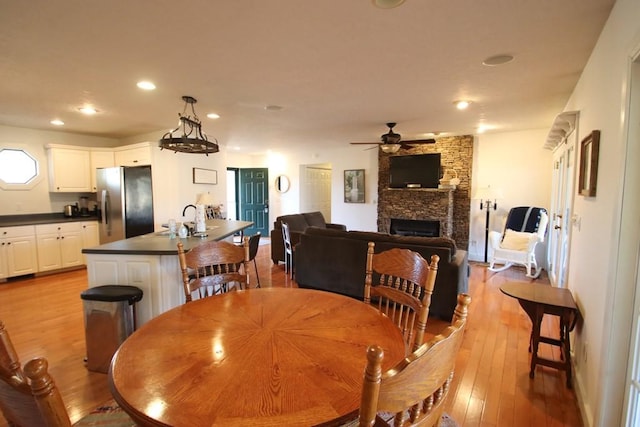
<point>419,171</point>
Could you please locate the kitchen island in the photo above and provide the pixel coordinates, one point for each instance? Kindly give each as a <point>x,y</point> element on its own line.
<point>150,262</point>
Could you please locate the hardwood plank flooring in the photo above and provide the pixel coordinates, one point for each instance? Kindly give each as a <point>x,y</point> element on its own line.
<point>491,386</point>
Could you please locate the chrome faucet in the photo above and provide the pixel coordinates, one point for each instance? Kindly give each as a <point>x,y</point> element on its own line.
<point>189,206</point>
<point>191,229</point>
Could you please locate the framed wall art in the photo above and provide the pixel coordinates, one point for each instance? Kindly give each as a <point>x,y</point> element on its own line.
<point>354,186</point>
<point>588,172</point>
<point>205,176</point>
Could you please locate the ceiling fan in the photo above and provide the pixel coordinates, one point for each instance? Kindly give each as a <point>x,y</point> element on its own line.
<point>391,142</point>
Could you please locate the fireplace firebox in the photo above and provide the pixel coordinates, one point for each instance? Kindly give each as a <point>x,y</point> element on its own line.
<point>414,227</point>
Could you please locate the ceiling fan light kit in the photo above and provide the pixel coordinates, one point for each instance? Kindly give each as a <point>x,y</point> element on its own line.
<point>390,148</point>
<point>192,139</point>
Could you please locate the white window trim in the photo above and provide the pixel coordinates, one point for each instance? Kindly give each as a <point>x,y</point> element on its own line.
<point>28,185</point>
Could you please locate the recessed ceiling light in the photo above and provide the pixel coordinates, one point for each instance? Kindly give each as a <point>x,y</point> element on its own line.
<point>88,110</point>
<point>495,60</point>
<point>273,108</point>
<point>146,85</point>
<point>387,4</point>
<point>462,104</point>
<point>213,116</point>
<point>57,122</point>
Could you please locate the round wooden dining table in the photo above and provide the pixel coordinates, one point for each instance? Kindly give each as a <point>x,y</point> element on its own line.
<point>259,357</point>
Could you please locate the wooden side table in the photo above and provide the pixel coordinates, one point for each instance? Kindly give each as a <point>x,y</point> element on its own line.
<point>537,300</point>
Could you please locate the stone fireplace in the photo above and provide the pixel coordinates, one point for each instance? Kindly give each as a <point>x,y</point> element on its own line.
<point>449,208</point>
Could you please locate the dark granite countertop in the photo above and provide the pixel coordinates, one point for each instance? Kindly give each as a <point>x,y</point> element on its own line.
<point>159,243</point>
<point>41,218</point>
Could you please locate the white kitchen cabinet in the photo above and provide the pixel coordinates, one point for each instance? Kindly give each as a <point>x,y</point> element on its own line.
<point>59,245</point>
<point>18,255</point>
<point>133,155</point>
<point>157,275</point>
<point>90,236</point>
<point>100,159</point>
<point>4,265</point>
<point>69,169</point>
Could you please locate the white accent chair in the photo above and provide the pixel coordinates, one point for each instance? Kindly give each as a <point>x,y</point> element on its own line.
<point>525,227</point>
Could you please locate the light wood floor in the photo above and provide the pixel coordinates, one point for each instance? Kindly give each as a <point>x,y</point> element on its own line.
<point>491,388</point>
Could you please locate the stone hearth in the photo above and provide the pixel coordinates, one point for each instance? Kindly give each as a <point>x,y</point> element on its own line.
<point>450,207</point>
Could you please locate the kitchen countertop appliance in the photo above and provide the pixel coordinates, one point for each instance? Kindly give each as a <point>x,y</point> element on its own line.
<point>70,210</point>
<point>84,206</point>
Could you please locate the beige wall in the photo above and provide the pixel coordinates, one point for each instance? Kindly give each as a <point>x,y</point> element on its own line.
<point>603,260</point>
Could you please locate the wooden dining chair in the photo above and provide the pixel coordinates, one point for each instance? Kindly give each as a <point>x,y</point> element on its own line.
<point>31,398</point>
<point>402,290</point>
<point>213,267</point>
<point>288,249</point>
<point>18,404</point>
<point>254,244</point>
<point>414,391</point>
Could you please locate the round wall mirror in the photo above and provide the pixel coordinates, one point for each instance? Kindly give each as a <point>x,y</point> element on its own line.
<point>282,184</point>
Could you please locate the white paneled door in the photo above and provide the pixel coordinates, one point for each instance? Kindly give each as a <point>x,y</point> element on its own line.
<point>315,189</point>
<point>561,210</point>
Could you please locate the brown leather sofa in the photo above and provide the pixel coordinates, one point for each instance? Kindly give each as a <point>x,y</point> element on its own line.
<point>335,260</point>
<point>298,223</point>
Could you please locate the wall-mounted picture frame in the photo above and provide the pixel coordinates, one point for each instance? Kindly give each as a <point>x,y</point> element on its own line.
<point>354,186</point>
<point>588,172</point>
<point>205,176</point>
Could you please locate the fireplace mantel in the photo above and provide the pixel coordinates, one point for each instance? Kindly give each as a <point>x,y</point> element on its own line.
<point>438,190</point>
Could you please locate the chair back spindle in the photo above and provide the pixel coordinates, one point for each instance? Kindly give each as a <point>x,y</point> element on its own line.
<point>403,289</point>
<point>213,267</point>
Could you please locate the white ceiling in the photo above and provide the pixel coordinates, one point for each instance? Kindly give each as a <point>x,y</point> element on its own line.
<point>340,69</point>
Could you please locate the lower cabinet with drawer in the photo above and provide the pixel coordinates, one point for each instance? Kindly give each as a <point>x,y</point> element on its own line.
<point>59,245</point>
<point>18,255</point>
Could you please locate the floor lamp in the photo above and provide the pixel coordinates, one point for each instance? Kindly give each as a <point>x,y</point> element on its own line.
<point>487,196</point>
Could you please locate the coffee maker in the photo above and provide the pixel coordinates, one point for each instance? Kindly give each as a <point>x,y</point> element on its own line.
<point>84,206</point>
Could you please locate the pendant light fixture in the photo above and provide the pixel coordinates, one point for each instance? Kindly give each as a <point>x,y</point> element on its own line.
<point>188,136</point>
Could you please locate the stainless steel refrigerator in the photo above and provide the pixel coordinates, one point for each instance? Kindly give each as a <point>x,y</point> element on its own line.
<point>125,200</point>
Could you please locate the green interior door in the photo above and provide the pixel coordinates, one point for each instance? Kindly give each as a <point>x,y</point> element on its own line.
<point>253,192</point>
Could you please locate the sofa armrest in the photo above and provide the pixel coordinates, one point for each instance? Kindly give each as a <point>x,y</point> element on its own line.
<point>277,246</point>
<point>452,279</point>
<point>295,237</point>
<point>337,226</point>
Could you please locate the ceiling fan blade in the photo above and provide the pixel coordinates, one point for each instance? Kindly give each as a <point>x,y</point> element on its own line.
<point>370,143</point>
<point>419,141</point>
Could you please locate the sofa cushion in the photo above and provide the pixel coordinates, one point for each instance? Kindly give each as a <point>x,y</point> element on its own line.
<point>315,219</point>
<point>296,222</point>
<point>516,240</point>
